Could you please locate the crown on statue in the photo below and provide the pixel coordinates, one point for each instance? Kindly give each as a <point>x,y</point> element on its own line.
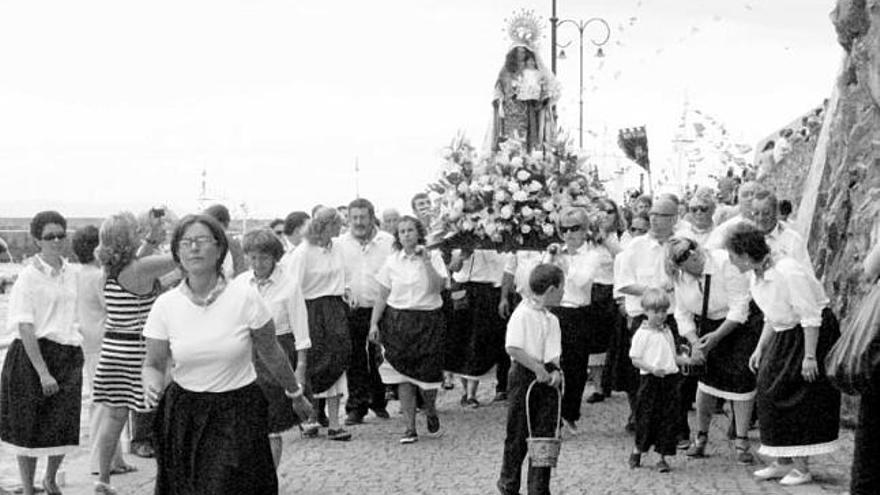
<point>524,28</point>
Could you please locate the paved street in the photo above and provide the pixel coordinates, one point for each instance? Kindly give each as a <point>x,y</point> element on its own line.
<point>467,459</point>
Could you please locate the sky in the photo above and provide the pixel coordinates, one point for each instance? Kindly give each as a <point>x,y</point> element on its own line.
<point>109,105</point>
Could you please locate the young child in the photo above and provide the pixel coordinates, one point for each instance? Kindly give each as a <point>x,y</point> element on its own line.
<point>657,403</point>
<point>534,343</point>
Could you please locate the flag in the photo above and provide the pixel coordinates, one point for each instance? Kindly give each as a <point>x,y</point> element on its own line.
<point>634,143</point>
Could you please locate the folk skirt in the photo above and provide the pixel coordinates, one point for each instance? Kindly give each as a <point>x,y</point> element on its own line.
<point>413,342</point>
<point>280,407</point>
<point>213,442</point>
<point>796,417</point>
<point>727,374</point>
<point>602,318</point>
<point>478,331</point>
<point>330,353</point>
<point>32,424</point>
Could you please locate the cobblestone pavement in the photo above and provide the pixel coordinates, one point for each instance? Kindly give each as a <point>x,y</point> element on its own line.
<point>466,460</point>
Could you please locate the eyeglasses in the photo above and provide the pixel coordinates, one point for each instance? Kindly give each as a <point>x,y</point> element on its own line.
<point>681,258</point>
<point>699,209</point>
<point>54,237</point>
<point>197,242</point>
<point>636,230</point>
<point>657,214</point>
<point>279,233</point>
<point>566,229</point>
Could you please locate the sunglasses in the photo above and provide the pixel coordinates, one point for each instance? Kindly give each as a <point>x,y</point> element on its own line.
<point>636,230</point>
<point>279,233</point>
<point>699,209</point>
<point>573,228</point>
<point>54,237</point>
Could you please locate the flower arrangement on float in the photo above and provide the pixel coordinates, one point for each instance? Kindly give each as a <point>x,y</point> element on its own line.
<point>510,199</point>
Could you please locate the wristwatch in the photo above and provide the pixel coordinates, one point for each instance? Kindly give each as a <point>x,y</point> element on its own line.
<point>294,395</point>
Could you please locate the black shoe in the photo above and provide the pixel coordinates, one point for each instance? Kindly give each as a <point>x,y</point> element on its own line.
<point>635,460</point>
<point>434,430</point>
<point>662,466</point>
<point>410,436</point>
<point>354,418</point>
<point>339,435</point>
<point>381,413</point>
<point>463,401</point>
<point>595,397</point>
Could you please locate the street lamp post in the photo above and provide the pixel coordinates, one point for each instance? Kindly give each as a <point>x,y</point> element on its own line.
<point>581,27</point>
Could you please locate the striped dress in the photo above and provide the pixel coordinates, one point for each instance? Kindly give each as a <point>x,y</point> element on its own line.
<point>118,377</point>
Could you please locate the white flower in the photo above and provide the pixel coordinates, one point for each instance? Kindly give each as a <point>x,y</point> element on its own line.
<point>548,229</point>
<point>535,186</point>
<point>500,196</point>
<point>467,225</point>
<point>523,175</point>
<point>513,186</point>
<point>527,212</point>
<point>490,228</point>
<point>463,188</point>
<point>548,205</point>
<point>525,229</point>
<point>517,162</point>
<point>520,196</point>
<point>506,211</point>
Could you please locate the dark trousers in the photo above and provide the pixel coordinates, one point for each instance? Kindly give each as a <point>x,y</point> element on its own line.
<point>142,427</point>
<point>365,387</point>
<point>575,357</point>
<point>543,402</point>
<point>657,407</point>
<point>865,475</point>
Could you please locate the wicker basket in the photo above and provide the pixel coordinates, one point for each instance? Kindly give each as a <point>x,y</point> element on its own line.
<point>544,451</point>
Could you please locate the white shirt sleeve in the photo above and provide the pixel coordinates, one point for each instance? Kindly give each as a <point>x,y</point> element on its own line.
<point>298,315</point>
<point>639,343</point>
<point>437,263</point>
<point>683,316</point>
<point>553,344</point>
<point>21,302</point>
<point>510,264</point>
<point>383,276</point>
<point>804,299</point>
<point>623,270</point>
<point>736,285</point>
<point>516,331</point>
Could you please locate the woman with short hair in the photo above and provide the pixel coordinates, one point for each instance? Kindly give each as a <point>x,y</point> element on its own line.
<point>316,265</point>
<point>798,409</point>
<point>211,424</point>
<point>726,337</point>
<point>263,250</point>
<point>41,382</point>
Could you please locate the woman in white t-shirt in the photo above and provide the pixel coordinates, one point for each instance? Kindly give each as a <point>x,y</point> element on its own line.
<point>212,434</point>
<point>408,321</point>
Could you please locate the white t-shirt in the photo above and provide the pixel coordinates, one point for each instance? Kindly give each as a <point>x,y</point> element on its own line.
<point>535,330</point>
<point>286,303</point>
<point>580,270</point>
<point>656,348</point>
<point>46,299</point>
<point>211,346</point>
<point>407,278</point>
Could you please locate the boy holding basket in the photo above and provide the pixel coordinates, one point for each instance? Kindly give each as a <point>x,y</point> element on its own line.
<point>534,343</point>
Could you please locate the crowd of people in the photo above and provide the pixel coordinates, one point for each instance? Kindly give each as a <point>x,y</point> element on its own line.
<point>216,345</point>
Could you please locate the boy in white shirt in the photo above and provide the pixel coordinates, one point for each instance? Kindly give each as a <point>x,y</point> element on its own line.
<point>653,352</point>
<point>534,343</point>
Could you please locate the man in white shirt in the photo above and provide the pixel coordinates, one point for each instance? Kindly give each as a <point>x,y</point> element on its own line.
<point>783,240</point>
<point>364,249</point>
<point>390,217</point>
<point>746,193</point>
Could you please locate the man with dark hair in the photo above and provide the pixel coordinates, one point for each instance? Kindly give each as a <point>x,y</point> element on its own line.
<point>294,229</point>
<point>234,262</point>
<point>364,250</point>
<point>783,241</point>
<point>277,227</point>
<point>421,207</point>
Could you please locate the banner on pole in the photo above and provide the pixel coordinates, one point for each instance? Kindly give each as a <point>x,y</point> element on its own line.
<point>634,143</point>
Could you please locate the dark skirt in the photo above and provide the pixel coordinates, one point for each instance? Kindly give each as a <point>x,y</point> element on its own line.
<point>656,414</point>
<point>281,415</point>
<point>603,318</point>
<point>213,442</point>
<point>31,423</point>
<point>797,418</point>
<point>413,342</point>
<point>478,331</point>
<point>865,475</point>
<point>330,353</point>
<point>727,374</point>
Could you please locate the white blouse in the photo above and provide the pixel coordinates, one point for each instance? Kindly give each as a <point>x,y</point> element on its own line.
<point>789,294</point>
<point>286,303</point>
<point>728,293</point>
<point>407,279</point>
<point>46,299</point>
<point>484,266</point>
<point>520,265</point>
<point>580,272</point>
<point>319,271</point>
<point>211,346</point>
<point>655,347</point>
<point>785,242</point>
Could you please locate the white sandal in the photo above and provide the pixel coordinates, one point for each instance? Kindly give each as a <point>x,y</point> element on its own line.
<point>105,489</point>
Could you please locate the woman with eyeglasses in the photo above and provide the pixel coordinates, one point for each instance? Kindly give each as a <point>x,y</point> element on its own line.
<point>41,382</point>
<point>798,408</point>
<point>131,286</point>
<point>579,261</point>
<point>212,430</point>
<point>725,338</point>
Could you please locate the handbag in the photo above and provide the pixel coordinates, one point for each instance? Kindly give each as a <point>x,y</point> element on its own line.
<point>856,354</point>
